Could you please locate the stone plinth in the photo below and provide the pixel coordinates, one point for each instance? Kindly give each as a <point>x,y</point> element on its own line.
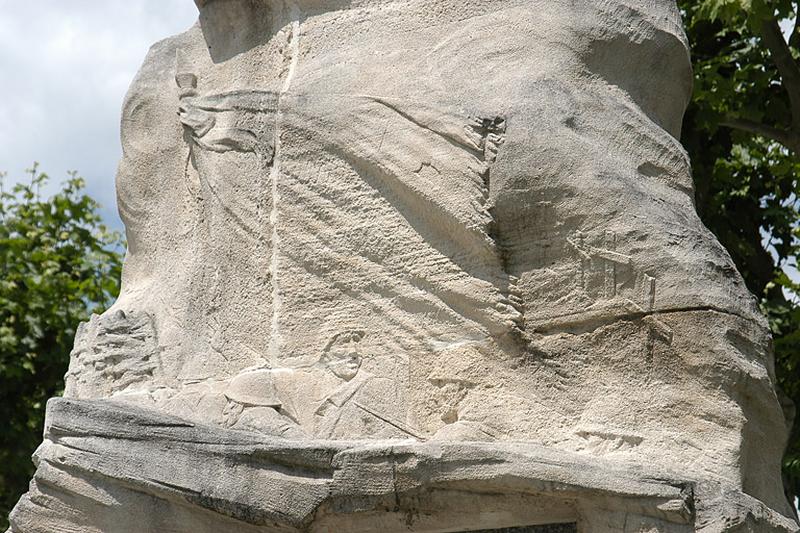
<point>113,468</point>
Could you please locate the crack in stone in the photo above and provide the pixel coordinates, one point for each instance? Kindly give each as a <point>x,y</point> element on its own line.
<point>274,340</point>
<point>587,322</point>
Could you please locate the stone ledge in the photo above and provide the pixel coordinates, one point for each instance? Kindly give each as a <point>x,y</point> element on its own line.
<point>111,467</point>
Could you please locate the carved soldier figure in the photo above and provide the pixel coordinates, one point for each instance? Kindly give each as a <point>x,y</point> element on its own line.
<point>253,404</point>
<point>362,402</point>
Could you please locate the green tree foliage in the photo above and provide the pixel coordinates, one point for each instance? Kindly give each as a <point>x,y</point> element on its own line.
<point>58,264</point>
<point>742,132</point>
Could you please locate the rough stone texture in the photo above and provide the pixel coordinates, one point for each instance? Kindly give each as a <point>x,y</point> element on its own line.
<point>553,528</point>
<point>439,220</point>
<point>112,467</point>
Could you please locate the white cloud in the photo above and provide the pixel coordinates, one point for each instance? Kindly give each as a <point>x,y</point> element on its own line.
<point>64,70</point>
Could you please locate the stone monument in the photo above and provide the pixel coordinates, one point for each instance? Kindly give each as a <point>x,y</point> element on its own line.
<point>415,265</point>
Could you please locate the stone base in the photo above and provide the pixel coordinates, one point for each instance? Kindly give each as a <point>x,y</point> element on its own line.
<point>114,468</point>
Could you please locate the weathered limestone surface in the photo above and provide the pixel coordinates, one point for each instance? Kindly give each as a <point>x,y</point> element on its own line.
<point>428,224</point>
<point>115,467</point>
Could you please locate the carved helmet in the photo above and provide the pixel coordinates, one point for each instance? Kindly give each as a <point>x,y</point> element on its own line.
<point>254,388</point>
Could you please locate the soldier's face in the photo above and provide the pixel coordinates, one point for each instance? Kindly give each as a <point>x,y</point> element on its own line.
<point>345,365</point>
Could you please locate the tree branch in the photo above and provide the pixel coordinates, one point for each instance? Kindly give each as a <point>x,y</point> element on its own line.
<point>789,69</point>
<point>789,139</point>
<point>794,38</point>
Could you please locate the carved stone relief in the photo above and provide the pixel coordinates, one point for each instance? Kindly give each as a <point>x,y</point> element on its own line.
<point>432,220</point>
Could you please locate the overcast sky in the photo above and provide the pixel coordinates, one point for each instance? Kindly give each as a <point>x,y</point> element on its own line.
<point>64,68</point>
